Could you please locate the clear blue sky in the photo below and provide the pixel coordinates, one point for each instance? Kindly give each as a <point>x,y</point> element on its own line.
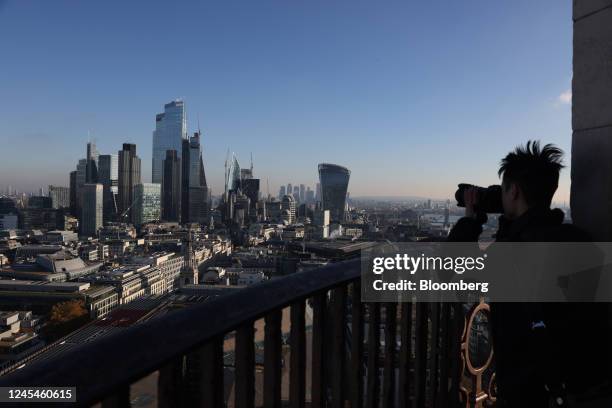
<point>413,96</point>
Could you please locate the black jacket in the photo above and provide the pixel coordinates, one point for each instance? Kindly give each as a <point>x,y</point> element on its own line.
<point>575,333</point>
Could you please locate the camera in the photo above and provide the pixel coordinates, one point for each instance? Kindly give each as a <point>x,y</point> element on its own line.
<point>489,199</point>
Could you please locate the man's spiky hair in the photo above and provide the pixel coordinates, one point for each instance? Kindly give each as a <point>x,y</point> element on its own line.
<point>535,170</point>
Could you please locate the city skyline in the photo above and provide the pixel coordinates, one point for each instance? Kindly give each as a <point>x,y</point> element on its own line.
<point>335,83</point>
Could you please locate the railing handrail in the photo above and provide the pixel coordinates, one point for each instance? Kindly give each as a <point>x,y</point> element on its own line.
<point>125,357</point>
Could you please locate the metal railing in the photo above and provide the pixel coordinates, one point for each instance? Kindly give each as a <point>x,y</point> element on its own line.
<point>359,354</point>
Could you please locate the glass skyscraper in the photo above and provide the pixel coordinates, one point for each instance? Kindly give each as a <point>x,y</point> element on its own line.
<point>147,203</point>
<point>170,130</point>
<point>171,187</point>
<point>108,176</point>
<point>194,194</point>
<point>334,185</point>
<point>129,177</point>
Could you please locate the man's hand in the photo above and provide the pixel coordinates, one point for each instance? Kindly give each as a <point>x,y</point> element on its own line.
<point>470,198</point>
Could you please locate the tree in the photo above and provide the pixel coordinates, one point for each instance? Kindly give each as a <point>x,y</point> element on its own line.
<point>66,311</point>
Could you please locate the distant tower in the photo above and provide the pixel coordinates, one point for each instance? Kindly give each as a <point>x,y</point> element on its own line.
<point>129,177</point>
<point>91,213</point>
<point>170,131</point>
<point>334,181</point>
<point>189,272</point>
<point>171,187</point>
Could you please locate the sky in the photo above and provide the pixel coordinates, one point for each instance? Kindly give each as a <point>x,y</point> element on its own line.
<point>413,97</point>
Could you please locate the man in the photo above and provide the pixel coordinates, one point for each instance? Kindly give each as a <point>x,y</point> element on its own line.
<point>541,350</point>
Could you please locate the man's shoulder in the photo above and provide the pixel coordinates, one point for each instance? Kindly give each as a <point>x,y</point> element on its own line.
<point>556,233</point>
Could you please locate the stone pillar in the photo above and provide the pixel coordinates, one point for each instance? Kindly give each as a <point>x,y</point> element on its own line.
<point>591,170</point>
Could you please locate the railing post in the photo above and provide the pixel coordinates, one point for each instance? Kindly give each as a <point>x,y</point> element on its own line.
<point>170,383</point>
<point>445,336</point>
<point>119,399</point>
<point>319,388</point>
<point>211,379</point>
<point>273,355</point>
<point>356,347</point>
<point>244,392</point>
<point>390,344</point>
<point>339,346</point>
<point>297,386</point>
<point>420,363</point>
<point>373,386</point>
<point>433,361</point>
<point>405,358</point>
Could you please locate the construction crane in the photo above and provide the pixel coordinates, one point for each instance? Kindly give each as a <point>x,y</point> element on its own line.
<point>124,214</point>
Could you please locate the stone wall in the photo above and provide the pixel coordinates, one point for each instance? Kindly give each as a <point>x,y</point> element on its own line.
<point>591,170</point>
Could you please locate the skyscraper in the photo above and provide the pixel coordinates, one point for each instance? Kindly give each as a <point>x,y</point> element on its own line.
<point>194,194</point>
<point>250,188</point>
<point>170,131</point>
<point>334,185</point>
<point>60,196</point>
<point>281,193</point>
<point>73,193</point>
<point>302,193</point>
<point>171,187</point>
<point>91,212</point>
<point>147,203</point>
<point>129,177</point>
<point>91,164</point>
<point>108,175</point>
<point>81,179</point>
<point>288,208</point>
<point>296,193</point>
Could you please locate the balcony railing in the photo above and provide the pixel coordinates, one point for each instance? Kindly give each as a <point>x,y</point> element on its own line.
<point>341,351</point>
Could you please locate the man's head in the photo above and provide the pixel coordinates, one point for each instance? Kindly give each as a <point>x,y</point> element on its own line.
<point>530,176</point>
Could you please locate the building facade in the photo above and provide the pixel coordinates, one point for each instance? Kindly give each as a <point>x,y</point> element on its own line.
<point>60,197</point>
<point>170,130</point>
<point>334,186</point>
<point>171,187</point>
<point>108,176</point>
<point>129,177</point>
<point>91,212</point>
<point>147,203</point>
<point>194,194</point>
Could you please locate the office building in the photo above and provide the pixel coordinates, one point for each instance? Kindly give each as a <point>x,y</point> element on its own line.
<point>296,193</point>
<point>233,175</point>
<point>40,202</point>
<point>91,211</point>
<point>194,194</point>
<point>147,203</point>
<point>282,192</point>
<point>129,177</point>
<point>310,197</point>
<point>334,185</point>
<point>91,166</point>
<point>170,131</point>
<point>321,221</point>
<point>60,197</point>
<point>73,193</point>
<point>108,176</point>
<point>171,187</point>
<point>250,188</point>
<point>41,218</point>
<point>81,179</point>
<point>288,208</point>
